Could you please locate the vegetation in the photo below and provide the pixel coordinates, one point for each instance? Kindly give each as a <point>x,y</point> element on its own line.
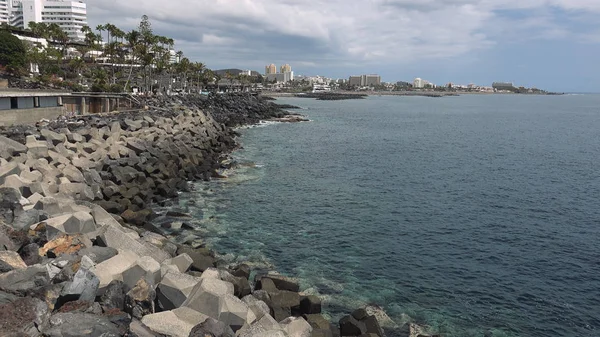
<point>12,53</point>
<point>108,60</point>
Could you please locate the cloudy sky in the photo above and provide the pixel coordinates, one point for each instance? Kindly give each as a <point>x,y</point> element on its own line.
<point>550,44</point>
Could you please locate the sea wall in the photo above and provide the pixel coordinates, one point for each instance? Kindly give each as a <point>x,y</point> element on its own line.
<point>78,254</point>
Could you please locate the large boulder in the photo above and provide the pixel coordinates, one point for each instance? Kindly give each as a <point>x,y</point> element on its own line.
<point>207,297</point>
<point>80,324</point>
<point>296,327</point>
<point>10,148</point>
<point>174,289</point>
<point>350,326</point>
<point>280,281</point>
<point>139,301</point>
<point>212,327</point>
<point>13,259</point>
<point>176,323</point>
<point>113,268</point>
<point>76,223</point>
<point>83,288</point>
<point>22,280</point>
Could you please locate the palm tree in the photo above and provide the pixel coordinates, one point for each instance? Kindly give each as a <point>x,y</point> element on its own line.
<point>133,40</point>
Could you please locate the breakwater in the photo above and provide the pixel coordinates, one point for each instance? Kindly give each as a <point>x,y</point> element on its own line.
<point>85,253</point>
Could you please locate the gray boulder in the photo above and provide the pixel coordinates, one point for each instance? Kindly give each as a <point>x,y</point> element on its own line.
<point>80,324</point>
<point>83,287</point>
<point>212,327</point>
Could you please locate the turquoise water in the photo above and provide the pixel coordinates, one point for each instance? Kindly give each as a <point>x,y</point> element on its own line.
<point>474,215</point>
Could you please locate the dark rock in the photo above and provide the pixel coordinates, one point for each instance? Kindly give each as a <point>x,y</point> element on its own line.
<point>10,206</point>
<point>5,267</point>
<point>80,324</point>
<point>23,316</point>
<point>243,270</point>
<point>83,288</point>
<point>21,280</point>
<point>349,326</point>
<point>6,298</point>
<point>266,284</point>
<point>310,305</point>
<point>285,299</point>
<point>372,325</point>
<point>31,254</point>
<point>114,296</point>
<point>139,301</point>
<point>120,319</point>
<point>137,218</point>
<point>212,327</point>
<point>360,314</point>
<point>281,282</point>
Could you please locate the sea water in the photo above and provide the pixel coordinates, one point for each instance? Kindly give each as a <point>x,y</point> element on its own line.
<point>475,215</point>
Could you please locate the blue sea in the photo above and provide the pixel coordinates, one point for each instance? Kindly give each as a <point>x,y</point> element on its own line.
<point>476,215</point>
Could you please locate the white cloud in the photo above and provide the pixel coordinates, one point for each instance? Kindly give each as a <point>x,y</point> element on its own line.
<point>340,31</point>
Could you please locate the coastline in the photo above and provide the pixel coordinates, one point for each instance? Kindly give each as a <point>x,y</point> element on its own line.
<point>72,187</point>
<point>404,93</point>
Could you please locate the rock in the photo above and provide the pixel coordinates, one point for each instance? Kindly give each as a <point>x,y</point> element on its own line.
<point>12,259</point>
<point>73,174</point>
<point>53,137</point>
<point>30,254</point>
<point>266,326</point>
<point>174,289</point>
<point>349,326</point>
<point>6,298</point>
<point>139,301</point>
<point>98,254</point>
<point>136,218</point>
<point>201,260</point>
<point>372,325</point>
<point>168,323</point>
<point>114,236</point>
<point>113,268</point>
<point>310,304</point>
<point>65,244</point>
<point>296,327</point>
<point>258,307</point>
<point>266,284</point>
<point>80,324</point>
<point>10,148</point>
<point>24,279</point>
<point>206,296</point>
<point>82,288</point>
<point>317,321</point>
<point>211,327</point>
<point>76,223</point>
<point>10,203</point>
<point>183,262</point>
<point>22,317</point>
<point>243,270</point>
<point>241,285</point>
<point>138,329</point>
<point>281,282</point>
<point>114,296</point>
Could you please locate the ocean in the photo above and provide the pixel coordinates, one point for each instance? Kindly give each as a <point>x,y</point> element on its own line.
<point>476,215</point>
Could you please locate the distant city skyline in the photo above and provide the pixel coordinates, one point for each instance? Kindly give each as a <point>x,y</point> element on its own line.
<point>549,44</point>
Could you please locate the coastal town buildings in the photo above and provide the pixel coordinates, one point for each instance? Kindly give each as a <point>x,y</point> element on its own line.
<point>364,80</point>
<point>271,69</point>
<point>286,75</point>
<point>286,68</point>
<point>71,16</point>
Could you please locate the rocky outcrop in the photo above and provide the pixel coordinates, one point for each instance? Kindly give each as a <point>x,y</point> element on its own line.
<point>79,255</point>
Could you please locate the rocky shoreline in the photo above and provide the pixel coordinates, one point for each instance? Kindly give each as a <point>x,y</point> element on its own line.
<point>83,253</point>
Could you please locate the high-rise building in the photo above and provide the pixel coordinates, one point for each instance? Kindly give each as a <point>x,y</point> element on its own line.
<point>4,11</point>
<point>364,80</point>
<point>286,68</point>
<point>271,69</point>
<point>70,16</point>
<point>354,80</point>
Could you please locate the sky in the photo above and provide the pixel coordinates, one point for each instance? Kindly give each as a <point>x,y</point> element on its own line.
<point>548,44</point>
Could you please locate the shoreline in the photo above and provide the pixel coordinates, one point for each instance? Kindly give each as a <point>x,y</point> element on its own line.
<point>402,93</point>
<point>80,197</point>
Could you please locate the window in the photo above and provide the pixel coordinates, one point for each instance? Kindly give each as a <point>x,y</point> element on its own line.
<point>14,103</point>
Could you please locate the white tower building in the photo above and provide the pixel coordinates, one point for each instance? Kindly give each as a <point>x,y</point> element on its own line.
<point>71,16</point>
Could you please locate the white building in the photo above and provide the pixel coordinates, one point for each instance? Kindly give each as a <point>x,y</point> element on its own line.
<point>281,77</point>
<point>418,83</point>
<point>71,16</point>
<point>4,11</point>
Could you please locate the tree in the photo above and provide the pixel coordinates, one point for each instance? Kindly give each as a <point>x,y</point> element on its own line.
<point>12,53</point>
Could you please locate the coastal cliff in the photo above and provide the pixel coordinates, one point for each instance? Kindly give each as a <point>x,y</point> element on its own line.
<point>83,251</point>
